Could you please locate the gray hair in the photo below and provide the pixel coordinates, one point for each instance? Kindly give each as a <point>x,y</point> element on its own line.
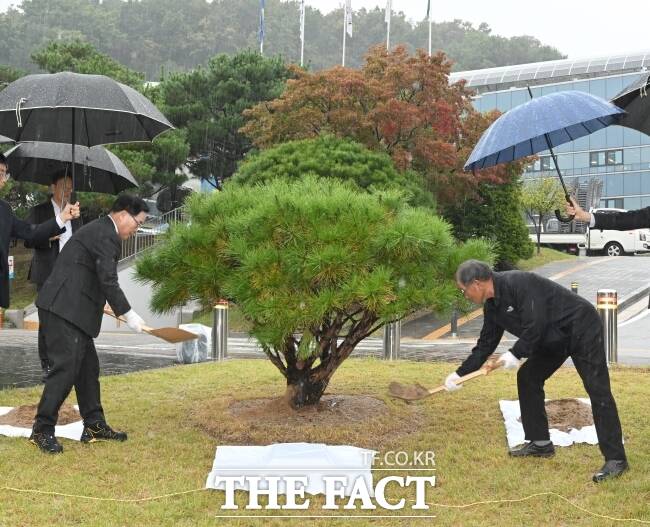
<point>471,270</point>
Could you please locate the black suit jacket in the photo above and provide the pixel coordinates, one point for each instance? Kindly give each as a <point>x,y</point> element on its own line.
<point>623,221</point>
<point>542,313</point>
<point>45,254</point>
<point>85,277</point>
<point>12,227</point>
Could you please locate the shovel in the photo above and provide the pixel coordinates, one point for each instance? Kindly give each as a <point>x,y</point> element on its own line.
<point>416,392</point>
<point>171,335</point>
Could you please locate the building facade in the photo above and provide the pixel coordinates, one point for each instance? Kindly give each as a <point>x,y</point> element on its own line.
<point>615,159</point>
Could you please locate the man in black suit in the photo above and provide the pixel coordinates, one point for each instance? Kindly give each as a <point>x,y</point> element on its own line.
<point>616,221</point>
<point>46,253</point>
<point>11,227</point>
<point>552,324</point>
<point>70,309</point>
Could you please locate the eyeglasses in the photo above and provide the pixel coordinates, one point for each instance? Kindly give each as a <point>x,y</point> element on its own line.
<point>138,223</point>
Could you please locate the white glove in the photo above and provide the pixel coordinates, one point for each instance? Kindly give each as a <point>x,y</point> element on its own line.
<point>134,321</point>
<point>508,361</point>
<point>450,382</point>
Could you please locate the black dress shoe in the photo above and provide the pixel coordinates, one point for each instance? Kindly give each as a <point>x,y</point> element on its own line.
<point>611,469</point>
<point>46,442</point>
<point>533,450</point>
<point>101,432</point>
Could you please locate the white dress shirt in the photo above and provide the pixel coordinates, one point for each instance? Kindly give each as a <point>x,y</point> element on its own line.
<point>64,236</point>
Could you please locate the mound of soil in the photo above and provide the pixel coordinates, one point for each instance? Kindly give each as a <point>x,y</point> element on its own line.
<point>565,414</point>
<point>362,420</point>
<point>23,416</point>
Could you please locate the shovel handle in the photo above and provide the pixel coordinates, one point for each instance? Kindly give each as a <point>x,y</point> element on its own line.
<point>146,329</point>
<point>485,370</point>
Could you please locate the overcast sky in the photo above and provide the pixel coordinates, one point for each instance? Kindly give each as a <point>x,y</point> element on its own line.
<point>578,28</point>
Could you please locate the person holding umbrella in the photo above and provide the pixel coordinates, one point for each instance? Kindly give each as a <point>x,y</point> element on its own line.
<point>46,253</point>
<point>617,221</point>
<point>12,227</point>
<point>552,324</point>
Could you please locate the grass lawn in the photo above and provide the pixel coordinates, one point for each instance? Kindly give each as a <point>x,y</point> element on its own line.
<point>176,417</point>
<point>545,256</point>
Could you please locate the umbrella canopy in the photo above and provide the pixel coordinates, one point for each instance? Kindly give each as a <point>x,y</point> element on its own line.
<point>634,100</point>
<point>77,109</point>
<point>38,162</point>
<point>541,124</point>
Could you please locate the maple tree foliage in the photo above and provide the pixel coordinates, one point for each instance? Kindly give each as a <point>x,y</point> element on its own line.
<point>398,103</point>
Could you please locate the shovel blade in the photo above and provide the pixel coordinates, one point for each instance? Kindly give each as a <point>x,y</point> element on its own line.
<point>172,335</point>
<point>412,392</point>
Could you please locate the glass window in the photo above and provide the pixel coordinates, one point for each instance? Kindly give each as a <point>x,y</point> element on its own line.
<point>581,86</point>
<point>598,140</point>
<point>645,139</point>
<point>549,89</point>
<point>645,157</point>
<point>632,183</point>
<point>597,87</point>
<point>645,182</point>
<point>565,162</point>
<point>519,97</point>
<point>504,101</point>
<point>632,203</point>
<point>613,185</point>
<point>616,203</point>
<point>645,202</point>
<point>614,157</point>
<point>632,157</point>
<point>547,163</point>
<point>613,85</point>
<point>596,159</point>
<point>489,102</point>
<point>581,160</point>
<point>582,143</point>
<point>614,136</point>
<point>631,137</point>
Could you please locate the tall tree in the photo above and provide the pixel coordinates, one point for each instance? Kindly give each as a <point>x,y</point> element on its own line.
<point>399,104</point>
<point>496,216</point>
<point>329,156</point>
<point>314,266</point>
<point>540,197</point>
<point>209,102</point>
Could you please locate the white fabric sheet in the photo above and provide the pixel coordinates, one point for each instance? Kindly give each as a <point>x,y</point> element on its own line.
<point>515,430</point>
<point>69,431</point>
<point>313,460</point>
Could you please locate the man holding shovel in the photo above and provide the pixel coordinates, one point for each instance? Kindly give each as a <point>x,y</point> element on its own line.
<point>552,324</point>
<point>70,308</point>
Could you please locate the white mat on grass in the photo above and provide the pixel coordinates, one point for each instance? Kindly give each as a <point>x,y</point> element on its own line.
<point>515,430</point>
<point>313,460</point>
<point>69,431</point>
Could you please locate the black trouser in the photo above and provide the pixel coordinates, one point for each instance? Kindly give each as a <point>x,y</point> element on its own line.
<point>587,350</point>
<point>73,362</point>
<point>42,348</point>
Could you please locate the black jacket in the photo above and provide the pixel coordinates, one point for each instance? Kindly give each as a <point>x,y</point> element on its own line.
<point>12,227</point>
<point>85,277</point>
<point>543,314</point>
<point>45,253</point>
<point>623,221</point>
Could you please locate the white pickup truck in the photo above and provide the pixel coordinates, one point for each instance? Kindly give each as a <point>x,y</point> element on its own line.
<point>612,243</point>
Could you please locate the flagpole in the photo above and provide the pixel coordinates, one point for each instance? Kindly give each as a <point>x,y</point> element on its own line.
<point>302,32</point>
<point>388,14</point>
<point>429,36</point>
<point>429,19</point>
<point>261,27</point>
<point>345,24</point>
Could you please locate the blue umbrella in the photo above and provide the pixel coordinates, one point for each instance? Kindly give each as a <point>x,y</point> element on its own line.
<point>540,124</point>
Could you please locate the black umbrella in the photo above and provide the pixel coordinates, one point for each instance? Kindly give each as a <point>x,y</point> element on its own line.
<point>634,100</point>
<point>102,170</point>
<point>77,109</point>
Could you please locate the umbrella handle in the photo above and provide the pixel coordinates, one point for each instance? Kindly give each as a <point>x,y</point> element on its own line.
<point>565,219</point>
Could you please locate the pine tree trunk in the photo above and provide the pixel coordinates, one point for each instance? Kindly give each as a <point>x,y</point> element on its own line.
<point>304,388</point>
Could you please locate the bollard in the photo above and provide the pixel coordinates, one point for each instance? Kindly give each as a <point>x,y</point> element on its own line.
<point>392,335</point>
<point>454,323</point>
<point>220,331</point>
<point>574,287</point>
<point>607,305</point>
